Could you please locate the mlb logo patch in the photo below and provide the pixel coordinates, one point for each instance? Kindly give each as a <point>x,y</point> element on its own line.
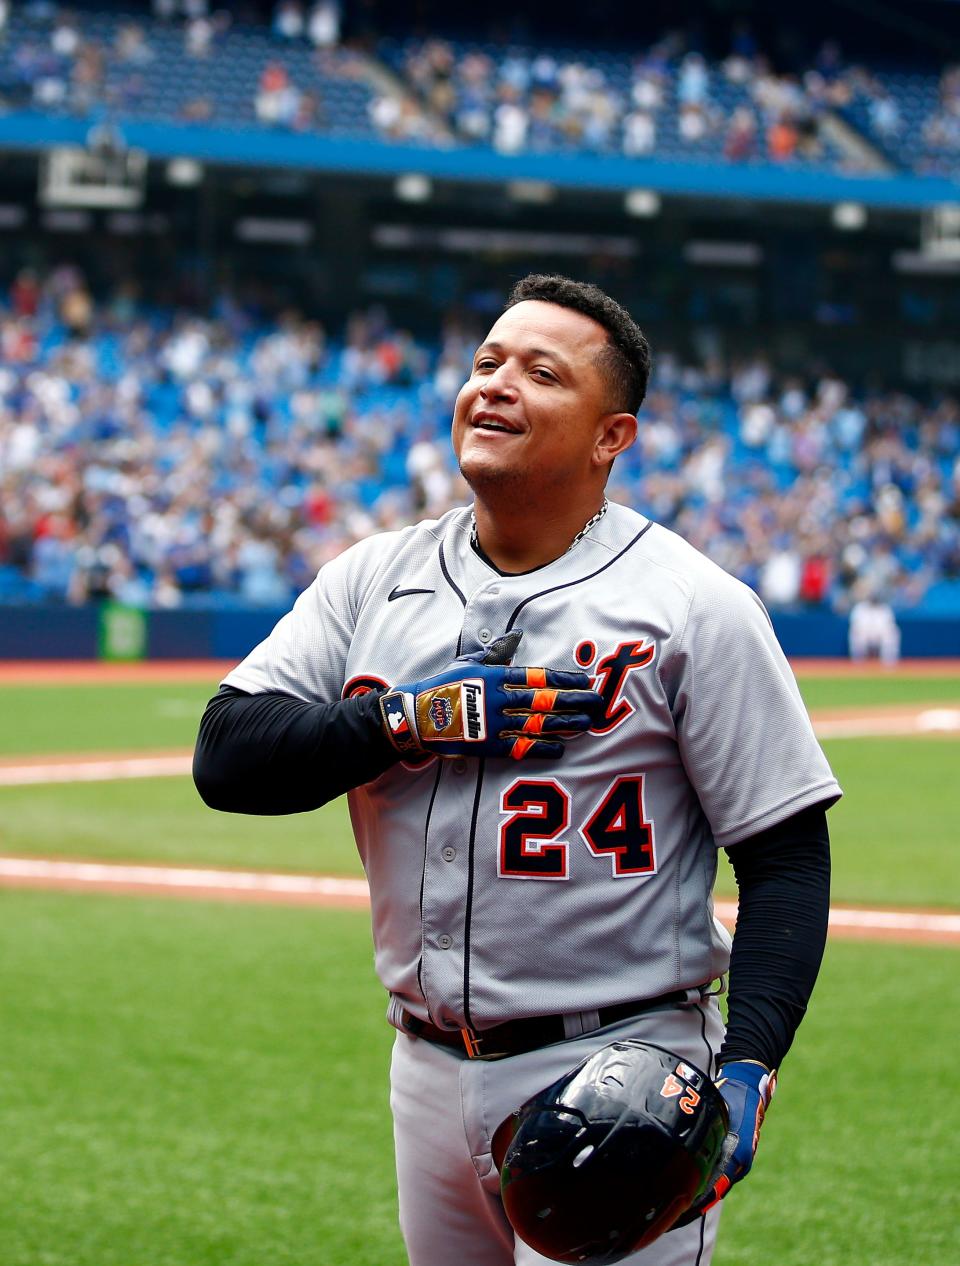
<point>441,713</point>
<point>689,1074</point>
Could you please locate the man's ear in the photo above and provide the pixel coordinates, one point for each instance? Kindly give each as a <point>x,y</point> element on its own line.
<point>618,432</point>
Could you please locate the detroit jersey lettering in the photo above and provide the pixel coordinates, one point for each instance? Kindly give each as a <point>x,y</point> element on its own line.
<point>614,846</point>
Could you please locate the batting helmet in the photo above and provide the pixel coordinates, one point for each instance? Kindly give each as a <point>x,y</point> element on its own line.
<point>602,1162</point>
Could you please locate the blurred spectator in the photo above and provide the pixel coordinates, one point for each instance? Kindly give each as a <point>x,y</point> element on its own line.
<point>76,310</point>
<point>288,20</point>
<point>323,24</point>
<point>25,293</point>
<point>399,119</point>
<point>740,142</point>
<point>277,101</point>
<point>780,578</point>
<point>885,116</point>
<point>198,36</point>
<point>510,125</point>
<point>131,46</point>
<point>646,90</point>
<point>693,80</point>
<point>87,78</point>
<point>65,36</point>
<point>639,134</point>
<point>782,139</point>
<point>196,110</point>
<point>873,631</point>
<point>309,113</point>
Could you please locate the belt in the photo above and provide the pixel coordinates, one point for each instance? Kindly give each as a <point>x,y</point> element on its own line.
<point>516,1036</point>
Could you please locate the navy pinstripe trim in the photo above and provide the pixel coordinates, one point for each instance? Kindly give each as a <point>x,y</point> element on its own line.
<point>579,581</point>
<point>702,1008</point>
<point>456,589</point>
<point>423,877</point>
<point>449,579</point>
<point>709,1065</point>
<point>468,914</point>
<point>703,1235</point>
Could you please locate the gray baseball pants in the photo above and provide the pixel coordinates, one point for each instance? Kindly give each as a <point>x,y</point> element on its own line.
<point>446,1108</point>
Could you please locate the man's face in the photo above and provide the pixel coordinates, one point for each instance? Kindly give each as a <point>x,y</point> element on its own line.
<point>530,415</point>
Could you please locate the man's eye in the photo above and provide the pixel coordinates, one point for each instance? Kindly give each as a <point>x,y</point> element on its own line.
<point>486,363</point>
<point>545,374</point>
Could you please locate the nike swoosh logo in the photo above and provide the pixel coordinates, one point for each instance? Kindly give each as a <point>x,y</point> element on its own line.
<point>397,592</point>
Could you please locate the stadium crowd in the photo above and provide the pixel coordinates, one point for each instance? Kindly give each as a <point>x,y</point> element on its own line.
<point>666,97</point>
<point>163,458</point>
<point>196,62</point>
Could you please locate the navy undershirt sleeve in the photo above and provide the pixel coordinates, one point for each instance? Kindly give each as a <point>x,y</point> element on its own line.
<point>272,753</point>
<point>783,876</point>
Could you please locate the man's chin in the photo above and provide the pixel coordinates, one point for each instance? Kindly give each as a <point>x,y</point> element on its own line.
<point>486,476</point>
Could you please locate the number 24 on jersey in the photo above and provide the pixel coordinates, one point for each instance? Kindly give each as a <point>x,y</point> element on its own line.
<point>537,812</point>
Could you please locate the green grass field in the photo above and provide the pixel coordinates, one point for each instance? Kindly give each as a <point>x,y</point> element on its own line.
<point>894,833</point>
<point>69,718</point>
<point>184,1084</point>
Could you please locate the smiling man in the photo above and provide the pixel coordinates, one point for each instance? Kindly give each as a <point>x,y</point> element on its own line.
<point>541,842</point>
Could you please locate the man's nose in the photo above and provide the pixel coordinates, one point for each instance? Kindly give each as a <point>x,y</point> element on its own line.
<point>499,385</point>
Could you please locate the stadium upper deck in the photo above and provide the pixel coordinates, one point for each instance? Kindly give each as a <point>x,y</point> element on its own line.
<point>655,112</point>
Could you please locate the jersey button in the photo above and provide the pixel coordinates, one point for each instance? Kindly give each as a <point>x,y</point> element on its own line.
<point>484,635</point>
<point>448,853</point>
<point>459,765</point>
<point>444,941</point>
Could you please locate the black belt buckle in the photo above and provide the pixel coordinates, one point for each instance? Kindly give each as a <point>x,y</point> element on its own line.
<point>472,1041</point>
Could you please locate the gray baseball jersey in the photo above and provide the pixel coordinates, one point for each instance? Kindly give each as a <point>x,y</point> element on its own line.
<point>502,889</point>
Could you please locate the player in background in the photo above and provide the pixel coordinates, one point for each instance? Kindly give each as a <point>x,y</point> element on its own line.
<point>873,631</point>
<point>549,713</point>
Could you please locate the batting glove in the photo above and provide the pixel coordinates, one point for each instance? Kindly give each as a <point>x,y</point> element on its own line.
<point>480,706</point>
<point>747,1087</point>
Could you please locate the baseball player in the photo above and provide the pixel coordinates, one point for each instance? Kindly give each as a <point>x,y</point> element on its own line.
<point>549,712</point>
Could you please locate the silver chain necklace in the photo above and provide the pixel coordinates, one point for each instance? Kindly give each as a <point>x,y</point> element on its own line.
<point>475,541</point>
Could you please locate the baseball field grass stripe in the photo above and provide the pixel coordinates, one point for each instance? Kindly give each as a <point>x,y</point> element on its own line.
<point>331,889</point>
<point>130,716</point>
<point>903,722</point>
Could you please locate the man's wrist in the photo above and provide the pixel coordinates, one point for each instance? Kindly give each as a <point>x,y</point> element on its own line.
<point>399,723</point>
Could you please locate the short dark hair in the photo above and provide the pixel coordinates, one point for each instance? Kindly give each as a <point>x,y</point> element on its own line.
<point>626,359</point>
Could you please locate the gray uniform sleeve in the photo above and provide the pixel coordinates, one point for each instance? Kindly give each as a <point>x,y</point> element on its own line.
<point>744,734</point>
<point>305,655</point>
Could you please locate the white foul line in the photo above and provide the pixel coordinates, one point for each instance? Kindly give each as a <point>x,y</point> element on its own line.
<point>889,725</point>
<point>80,770</point>
<point>180,877</point>
<point>871,920</point>
<point>104,874</point>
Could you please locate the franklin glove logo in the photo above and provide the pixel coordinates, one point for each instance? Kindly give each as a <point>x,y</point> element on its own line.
<point>471,702</point>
